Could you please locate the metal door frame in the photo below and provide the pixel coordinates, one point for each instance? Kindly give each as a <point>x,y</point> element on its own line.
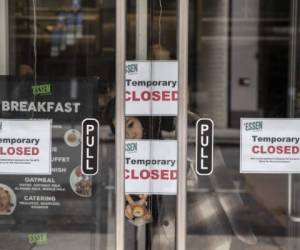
<point>182,52</point>
<point>120,121</point>
<point>291,94</point>
<point>4,40</point>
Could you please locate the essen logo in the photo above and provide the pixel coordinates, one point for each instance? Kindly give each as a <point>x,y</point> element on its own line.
<point>131,147</point>
<point>253,126</point>
<point>42,89</point>
<point>132,68</point>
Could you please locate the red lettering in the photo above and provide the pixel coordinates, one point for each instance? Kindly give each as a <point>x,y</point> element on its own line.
<point>280,149</point>
<point>151,95</point>
<point>275,149</point>
<point>134,98</point>
<point>165,174</point>
<point>175,95</point>
<point>145,174</point>
<point>287,149</point>
<point>173,174</point>
<point>35,151</point>
<point>2,151</point>
<point>146,95</point>
<point>271,149</point>
<point>295,150</point>
<point>11,151</point>
<point>127,174</point>
<point>127,96</point>
<point>133,176</point>
<point>27,151</point>
<point>155,174</point>
<point>19,151</point>
<point>165,95</point>
<point>255,149</point>
<point>155,96</point>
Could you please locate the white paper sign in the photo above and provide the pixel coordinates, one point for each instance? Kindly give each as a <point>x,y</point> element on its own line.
<point>270,146</point>
<point>25,147</point>
<point>151,88</point>
<point>151,167</point>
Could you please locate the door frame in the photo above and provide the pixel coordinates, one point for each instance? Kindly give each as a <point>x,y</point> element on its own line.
<point>182,52</point>
<point>4,38</point>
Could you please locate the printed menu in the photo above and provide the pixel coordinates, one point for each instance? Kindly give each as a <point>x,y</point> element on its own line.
<point>66,195</point>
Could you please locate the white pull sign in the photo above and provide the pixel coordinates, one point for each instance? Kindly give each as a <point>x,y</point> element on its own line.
<point>90,147</point>
<point>204,146</point>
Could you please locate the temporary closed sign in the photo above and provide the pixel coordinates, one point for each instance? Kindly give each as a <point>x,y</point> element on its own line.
<point>151,167</point>
<point>25,146</point>
<point>151,88</point>
<point>270,146</point>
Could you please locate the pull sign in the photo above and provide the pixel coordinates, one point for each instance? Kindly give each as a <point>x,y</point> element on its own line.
<point>89,146</point>
<point>204,146</point>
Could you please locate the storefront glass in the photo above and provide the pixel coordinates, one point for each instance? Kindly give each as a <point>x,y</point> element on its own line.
<point>242,64</point>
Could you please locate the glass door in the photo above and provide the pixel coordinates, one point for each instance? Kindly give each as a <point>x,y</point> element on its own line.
<point>147,71</point>
<point>239,70</point>
<point>151,122</point>
<point>57,70</point>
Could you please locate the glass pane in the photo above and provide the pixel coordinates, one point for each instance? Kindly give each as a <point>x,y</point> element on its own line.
<point>238,67</point>
<point>151,124</point>
<point>294,110</point>
<point>63,51</point>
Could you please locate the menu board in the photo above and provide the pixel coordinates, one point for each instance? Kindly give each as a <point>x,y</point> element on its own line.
<point>66,195</point>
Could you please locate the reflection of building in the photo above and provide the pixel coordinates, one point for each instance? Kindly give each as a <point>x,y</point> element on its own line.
<point>238,50</point>
<point>242,49</point>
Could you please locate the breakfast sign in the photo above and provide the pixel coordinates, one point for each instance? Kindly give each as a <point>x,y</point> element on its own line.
<point>40,150</point>
<point>270,146</point>
<point>151,88</point>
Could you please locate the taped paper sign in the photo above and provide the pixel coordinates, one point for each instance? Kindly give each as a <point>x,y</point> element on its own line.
<point>151,167</point>
<point>151,88</point>
<point>25,146</point>
<point>270,146</point>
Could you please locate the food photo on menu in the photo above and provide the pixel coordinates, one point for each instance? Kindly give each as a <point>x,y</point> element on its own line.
<point>81,184</point>
<point>7,200</point>
<point>72,137</point>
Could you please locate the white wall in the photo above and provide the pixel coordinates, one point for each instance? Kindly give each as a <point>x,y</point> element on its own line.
<point>4,37</point>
